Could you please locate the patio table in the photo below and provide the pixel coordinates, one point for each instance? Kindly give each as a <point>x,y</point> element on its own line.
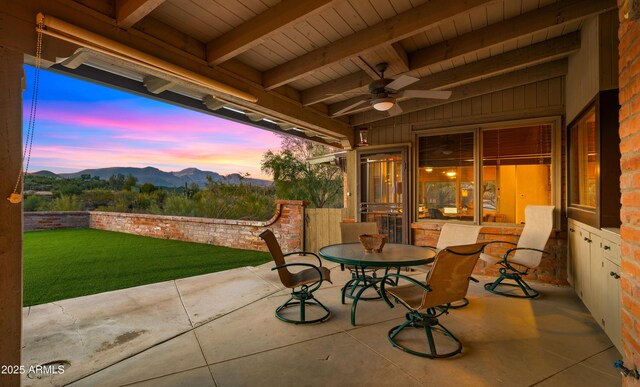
<point>393,255</point>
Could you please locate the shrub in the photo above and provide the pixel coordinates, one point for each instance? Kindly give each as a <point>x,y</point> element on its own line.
<point>65,203</point>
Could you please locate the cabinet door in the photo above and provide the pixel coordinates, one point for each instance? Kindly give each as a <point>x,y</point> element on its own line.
<point>582,264</point>
<point>596,279</point>
<point>611,302</point>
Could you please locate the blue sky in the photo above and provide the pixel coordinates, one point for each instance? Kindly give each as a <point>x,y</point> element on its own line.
<point>82,125</point>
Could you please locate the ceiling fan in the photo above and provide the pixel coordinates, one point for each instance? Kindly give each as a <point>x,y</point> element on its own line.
<point>384,92</point>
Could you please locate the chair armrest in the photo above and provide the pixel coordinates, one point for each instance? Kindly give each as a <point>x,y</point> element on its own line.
<point>412,280</point>
<point>505,260</point>
<point>304,253</point>
<point>507,242</point>
<point>306,265</point>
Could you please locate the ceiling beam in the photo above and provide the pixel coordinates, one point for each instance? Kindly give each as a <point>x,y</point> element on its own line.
<point>555,14</point>
<point>525,24</point>
<point>388,31</point>
<point>129,12</point>
<point>509,61</point>
<point>399,55</point>
<point>364,66</point>
<point>255,31</point>
<point>337,86</point>
<point>501,82</point>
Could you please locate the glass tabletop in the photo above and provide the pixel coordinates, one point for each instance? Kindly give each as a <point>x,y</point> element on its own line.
<point>392,255</point>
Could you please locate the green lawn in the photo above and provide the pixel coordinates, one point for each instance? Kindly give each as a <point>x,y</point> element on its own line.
<point>63,264</point>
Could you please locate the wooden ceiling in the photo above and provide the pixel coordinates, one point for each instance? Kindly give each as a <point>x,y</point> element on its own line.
<point>303,60</point>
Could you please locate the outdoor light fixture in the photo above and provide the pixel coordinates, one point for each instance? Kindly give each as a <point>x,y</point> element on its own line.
<point>382,104</point>
<point>363,137</point>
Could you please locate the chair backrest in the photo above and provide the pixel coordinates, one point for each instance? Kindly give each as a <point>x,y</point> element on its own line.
<point>449,277</point>
<point>277,255</point>
<point>349,232</point>
<point>453,234</point>
<point>537,228</point>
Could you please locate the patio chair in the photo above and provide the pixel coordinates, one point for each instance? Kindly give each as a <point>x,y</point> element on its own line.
<point>526,255</point>
<point>453,234</point>
<point>302,283</point>
<point>349,233</point>
<point>447,281</point>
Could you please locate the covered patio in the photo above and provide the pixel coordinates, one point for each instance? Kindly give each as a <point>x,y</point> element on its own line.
<point>449,112</point>
<point>219,330</point>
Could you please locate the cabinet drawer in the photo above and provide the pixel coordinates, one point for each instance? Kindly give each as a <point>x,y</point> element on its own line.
<point>611,251</point>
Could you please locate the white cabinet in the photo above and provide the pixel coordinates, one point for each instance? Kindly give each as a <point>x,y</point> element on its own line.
<point>581,248</point>
<point>594,263</point>
<point>611,303</point>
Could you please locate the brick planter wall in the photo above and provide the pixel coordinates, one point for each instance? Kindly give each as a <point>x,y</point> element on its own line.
<point>552,269</point>
<point>286,224</point>
<point>34,221</point>
<point>629,81</point>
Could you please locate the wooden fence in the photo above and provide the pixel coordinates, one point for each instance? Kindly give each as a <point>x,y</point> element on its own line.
<point>322,227</point>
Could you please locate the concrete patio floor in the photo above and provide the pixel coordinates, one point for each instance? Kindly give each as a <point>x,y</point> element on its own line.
<point>219,330</point>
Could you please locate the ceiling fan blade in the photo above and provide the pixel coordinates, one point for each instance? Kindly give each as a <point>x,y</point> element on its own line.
<point>395,110</point>
<point>353,105</point>
<point>435,94</point>
<point>402,81</point>
<point>349,93</point>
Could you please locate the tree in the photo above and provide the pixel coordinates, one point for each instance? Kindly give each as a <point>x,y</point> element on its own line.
<point>129,181</point>
<point>116,182</point>
<point>147,188</point>
<point>295,178</point>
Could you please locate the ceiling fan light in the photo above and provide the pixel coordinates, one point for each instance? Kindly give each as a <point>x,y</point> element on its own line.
<point>382,104</point>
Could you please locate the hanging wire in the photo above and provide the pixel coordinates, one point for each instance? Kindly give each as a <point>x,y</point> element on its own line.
<point>26,154</point>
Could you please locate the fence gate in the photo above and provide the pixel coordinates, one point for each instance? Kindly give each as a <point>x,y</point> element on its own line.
<point>322,227</point>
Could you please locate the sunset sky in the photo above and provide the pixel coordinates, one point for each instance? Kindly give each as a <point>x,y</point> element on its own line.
<point>81,125</point>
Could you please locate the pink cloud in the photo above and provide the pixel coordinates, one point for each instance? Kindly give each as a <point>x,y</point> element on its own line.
<point>68,158</point>
<point>141,133</point>
<point>140,122</point>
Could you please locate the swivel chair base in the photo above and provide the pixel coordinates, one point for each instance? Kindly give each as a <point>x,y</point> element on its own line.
<point>527,291</point>
<point>430,325</point>
<point>302,299</point>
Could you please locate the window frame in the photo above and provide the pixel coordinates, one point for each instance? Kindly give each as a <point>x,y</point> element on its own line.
<point>556,164</point>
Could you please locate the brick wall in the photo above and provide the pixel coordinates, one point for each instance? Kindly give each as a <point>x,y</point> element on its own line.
<point>286,224</point>
<point>552,269</point>
<point>34,221</point>
<point>629,81</point>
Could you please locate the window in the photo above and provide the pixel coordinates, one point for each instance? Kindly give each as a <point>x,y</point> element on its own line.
<point>583,160</point>
<point>491,180</point>
<point>516,172</point>
<point>446,176</point>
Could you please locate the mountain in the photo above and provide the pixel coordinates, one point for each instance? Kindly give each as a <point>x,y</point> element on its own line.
<point>165,179</point>
<point>46,174</point>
